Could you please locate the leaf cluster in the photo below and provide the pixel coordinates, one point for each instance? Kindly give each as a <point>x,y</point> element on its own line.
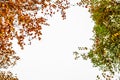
<point>7,76</point>
<point>19,20</point>
<point>105,52</point>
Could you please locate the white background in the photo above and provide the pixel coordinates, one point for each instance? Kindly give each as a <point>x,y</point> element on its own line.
<point>52,58</point>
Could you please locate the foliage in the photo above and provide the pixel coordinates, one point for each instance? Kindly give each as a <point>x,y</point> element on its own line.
<point>19,20</point>
<point>105,52</point>
<point>106,47</point>
<point>7,76</point>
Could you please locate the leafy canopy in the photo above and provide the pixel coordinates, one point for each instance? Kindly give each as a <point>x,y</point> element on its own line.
<point>19,20</point>
<point>105,52</point>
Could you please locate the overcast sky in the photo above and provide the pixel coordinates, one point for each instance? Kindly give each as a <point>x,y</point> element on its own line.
<point>52,58</point>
